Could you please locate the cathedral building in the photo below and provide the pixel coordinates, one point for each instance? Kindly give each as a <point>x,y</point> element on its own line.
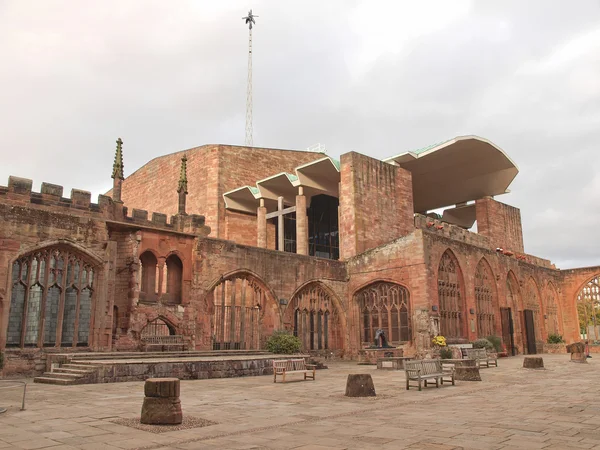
<point>219,246</point>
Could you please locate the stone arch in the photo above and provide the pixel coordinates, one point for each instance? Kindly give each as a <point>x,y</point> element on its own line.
<point>174,278</point>
<point>148,276</point>
<point>159,326</point>
<point>385,305</point>
<point>532,301</point>
<point>51,292</point>
<point>588,308</point>
<point>451,298</point>
<point>553,313</point>
<point>486,299</point>
<point>244,311</point>
<point>511,317</point>
<point>316,317</point>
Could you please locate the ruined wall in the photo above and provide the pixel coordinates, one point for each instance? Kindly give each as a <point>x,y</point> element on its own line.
<point>573,281</point>
<point>282,274</point>
<point>212,170</point>
<point>501,223</point>
<point>376,203</point>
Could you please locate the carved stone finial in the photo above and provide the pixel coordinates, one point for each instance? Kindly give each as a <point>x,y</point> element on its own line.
<point>118,164</point>
<point>182,187</point>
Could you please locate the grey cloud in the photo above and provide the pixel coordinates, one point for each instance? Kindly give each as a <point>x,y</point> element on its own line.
<point>169,76</point>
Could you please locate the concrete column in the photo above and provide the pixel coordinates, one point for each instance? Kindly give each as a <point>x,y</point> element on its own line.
<point>261,225</point>
<point>301,223</point>
<point>280,229</point>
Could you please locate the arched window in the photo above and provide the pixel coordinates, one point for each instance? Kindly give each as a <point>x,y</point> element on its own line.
<point>450,297</point>
<point>157,327</point>
<point>588,308</point>
<point>485,299</point>
<point>174,279</point>
<point>313,311</point>
<point>148,288</point>
<point>386,306</point>
<point>238,306</point>
<point>51,300</point>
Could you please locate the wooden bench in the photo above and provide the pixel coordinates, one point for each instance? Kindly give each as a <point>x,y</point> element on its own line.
<point>286,366</point>
<point>428,369</point>
<point>481,356</point>
<point>163,343</point>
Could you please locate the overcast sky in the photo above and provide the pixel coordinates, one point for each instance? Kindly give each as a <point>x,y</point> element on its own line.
<point>374,77</point>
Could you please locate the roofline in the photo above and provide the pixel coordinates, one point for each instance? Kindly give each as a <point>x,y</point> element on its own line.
<point>451,142</point>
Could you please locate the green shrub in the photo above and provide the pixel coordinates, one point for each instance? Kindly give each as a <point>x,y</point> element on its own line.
<point>446,353</point>
<point>555,339</point>
<point>496,342</point>
<point>483,343</point>
<point>282,342</point>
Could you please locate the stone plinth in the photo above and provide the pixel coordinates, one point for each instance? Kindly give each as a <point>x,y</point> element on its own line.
<point>371,355</point>
<point>161,404</point>
<point>360,385</point>
<point>533,362</point>
<point>392,363</point>
<point>577,351</point>
<point>464,369</point>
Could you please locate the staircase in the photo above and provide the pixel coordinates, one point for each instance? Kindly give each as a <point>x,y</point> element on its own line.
<point>68,374</point>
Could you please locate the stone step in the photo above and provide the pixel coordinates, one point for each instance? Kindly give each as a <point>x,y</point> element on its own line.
<point>176,354</point>
<point>63,376</point>
<point>67,370</point>
<point>89,368</point>
<point>53,380</point>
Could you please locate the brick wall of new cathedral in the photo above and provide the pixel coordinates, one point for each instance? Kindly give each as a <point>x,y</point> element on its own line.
<point>385,248</point>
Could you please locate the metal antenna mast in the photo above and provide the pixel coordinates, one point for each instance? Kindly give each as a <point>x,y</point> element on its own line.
<point>249,21</point>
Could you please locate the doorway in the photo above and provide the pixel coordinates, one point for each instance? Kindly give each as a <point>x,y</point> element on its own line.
<point>529,331</point>
<point>508,330</point>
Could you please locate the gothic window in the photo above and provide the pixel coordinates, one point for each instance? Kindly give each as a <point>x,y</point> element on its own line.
<point>552,326</point>
<point>532,302</point>
<point>386,306</point>
<point>238,305</point>
<point>148,285</point>
<point>450,297</point>
<point>484,297</point>
<point>313,312</point>
<point>174,279</point>
<point>51,300</point>
<point>588,308</point>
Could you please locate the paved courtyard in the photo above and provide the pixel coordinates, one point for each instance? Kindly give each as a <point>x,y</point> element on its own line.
<point>556,408</point>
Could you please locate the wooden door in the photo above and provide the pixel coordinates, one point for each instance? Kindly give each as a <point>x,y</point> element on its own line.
<point>508,330</point>
<point>529,331</point>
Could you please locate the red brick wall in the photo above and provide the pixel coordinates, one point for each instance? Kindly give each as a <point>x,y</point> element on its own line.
<point>376,203</point>
<point>212,170</point>
<point>501,223</point>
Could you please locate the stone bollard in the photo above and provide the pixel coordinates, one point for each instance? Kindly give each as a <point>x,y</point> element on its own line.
<point>360,385</point>
<point>533,362</point>
<point>577,351</point>
<point>161,403</point>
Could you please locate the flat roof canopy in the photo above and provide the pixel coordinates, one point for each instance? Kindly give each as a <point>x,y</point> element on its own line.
<point>456,171</point>
<point>317,177</point>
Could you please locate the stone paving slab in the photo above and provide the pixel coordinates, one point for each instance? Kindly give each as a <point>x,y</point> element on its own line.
<point>511,408</point>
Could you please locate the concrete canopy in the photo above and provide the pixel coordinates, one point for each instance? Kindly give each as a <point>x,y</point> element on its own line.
<point>317,177</point>
<point>456,171</point>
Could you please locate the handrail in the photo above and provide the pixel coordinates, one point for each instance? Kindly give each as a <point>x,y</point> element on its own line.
<point>24,391</point>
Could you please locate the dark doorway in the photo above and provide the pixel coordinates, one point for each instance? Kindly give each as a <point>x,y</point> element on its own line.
<point>508,330</point>
<point>529,331</point>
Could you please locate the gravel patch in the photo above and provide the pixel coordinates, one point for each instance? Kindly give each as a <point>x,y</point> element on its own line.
<point>188,422</point>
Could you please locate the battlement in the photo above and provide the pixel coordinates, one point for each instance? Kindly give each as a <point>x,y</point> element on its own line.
<point>457,233</point>
<point>19,192</point>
